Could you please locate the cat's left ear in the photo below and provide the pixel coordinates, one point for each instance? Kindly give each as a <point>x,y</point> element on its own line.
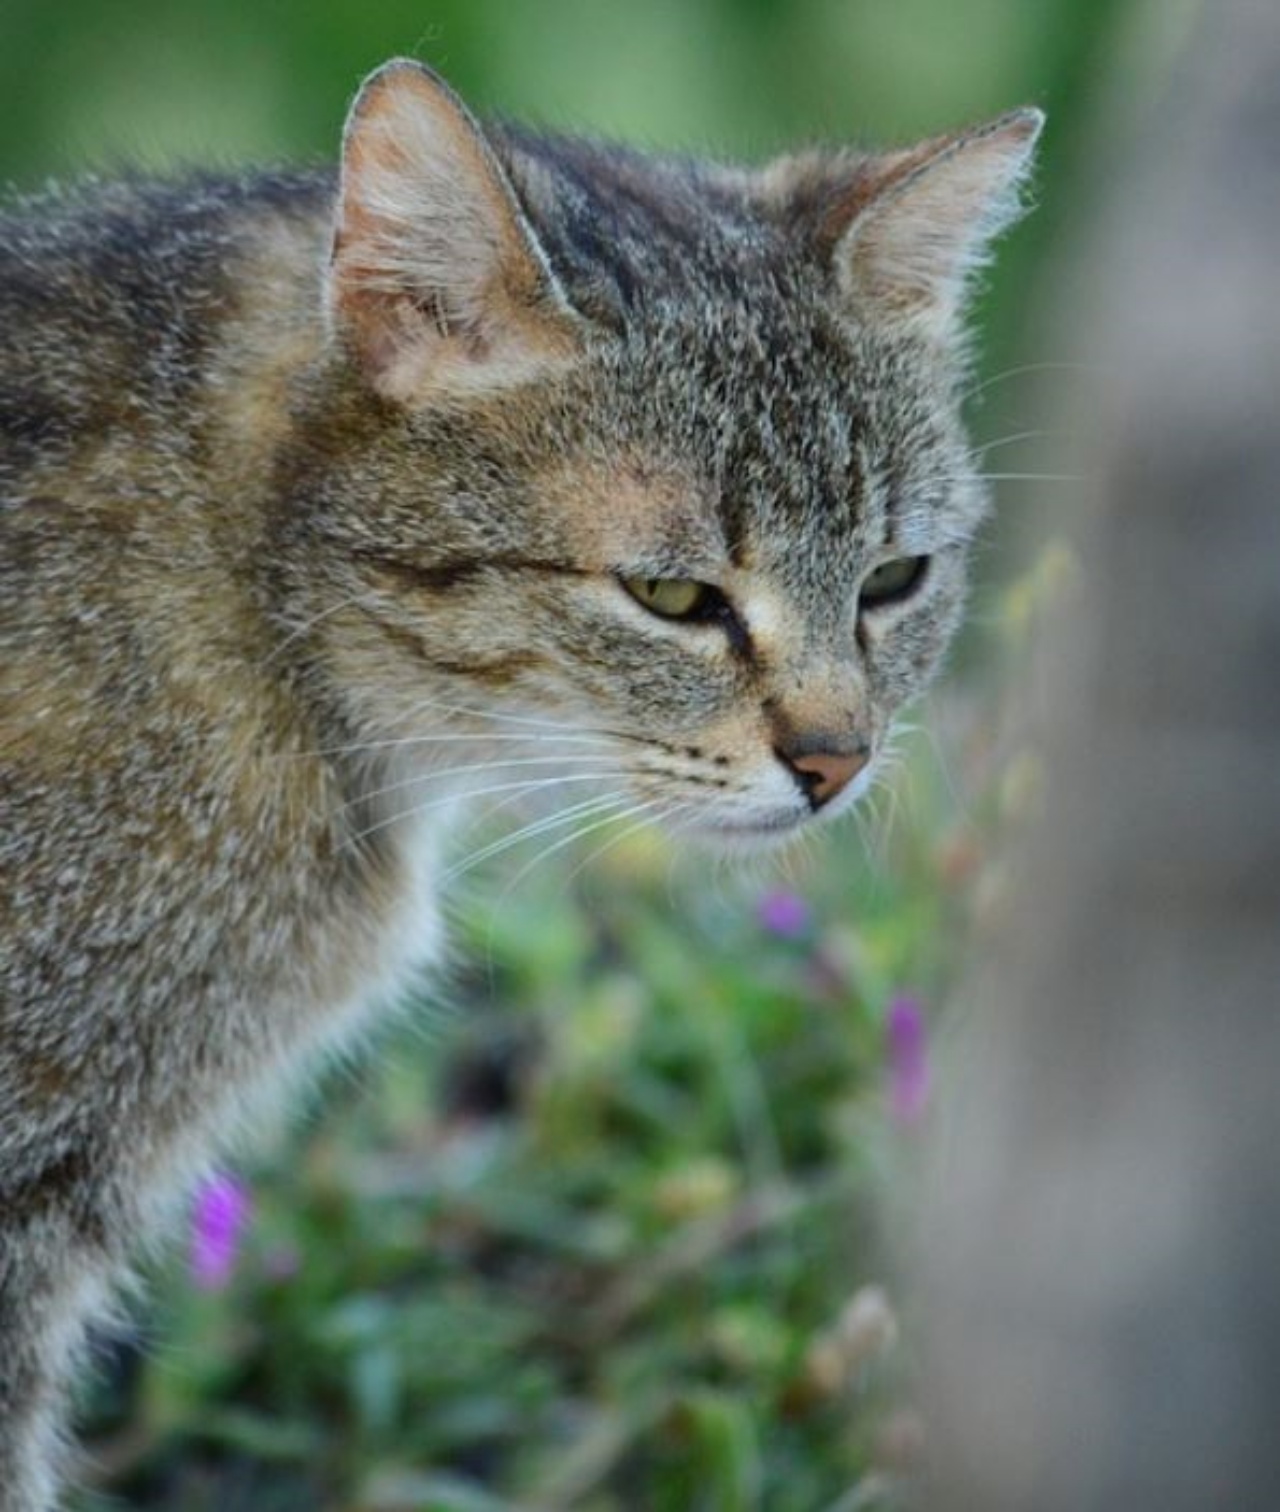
<point>904,231</point>
<point>437,282</point>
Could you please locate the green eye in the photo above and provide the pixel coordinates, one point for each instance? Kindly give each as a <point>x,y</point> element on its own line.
<point>672,598</point>
<point>893,581</point>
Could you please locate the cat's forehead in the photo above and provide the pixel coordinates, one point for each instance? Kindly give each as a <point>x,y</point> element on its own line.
<point>727,362</point>
<point>798,432</point>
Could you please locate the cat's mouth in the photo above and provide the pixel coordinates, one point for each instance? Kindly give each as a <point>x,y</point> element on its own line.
<point>775,826</point>
<point>780,824</point>
<point>759,828</point>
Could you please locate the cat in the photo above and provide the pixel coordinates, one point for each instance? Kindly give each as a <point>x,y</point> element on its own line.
<point>501,459</point>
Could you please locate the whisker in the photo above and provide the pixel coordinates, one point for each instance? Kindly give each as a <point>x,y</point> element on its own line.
<point>484,738</point>
<point>1024,370</point>
<point>585,809</point>
<point>859,816</point>
<point>298,631</point>
<point>665,817</point>
<point>961,800</point>
<point>440,774</point>
<point>527,786</point>
<point>1013,477</point>
<point>579,832</point>
<point>504,717</point>
<point>892,791</point>
<point>1017,436</point>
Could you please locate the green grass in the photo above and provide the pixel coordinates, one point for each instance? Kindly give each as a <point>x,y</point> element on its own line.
<point>582,1237</point>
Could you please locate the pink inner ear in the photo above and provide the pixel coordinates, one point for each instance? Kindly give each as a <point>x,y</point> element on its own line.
<point>437,280</point>
<point>873,178</point>
<point>916,225</point>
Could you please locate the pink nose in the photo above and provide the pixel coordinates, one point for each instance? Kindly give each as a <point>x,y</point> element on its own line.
<point>823,774</point>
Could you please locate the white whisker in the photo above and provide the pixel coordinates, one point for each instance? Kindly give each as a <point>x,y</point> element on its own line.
<point>524,721</point>
<point>960,799</point>
<point>1012,440</point>
<point>527,786</point>
<point>1012,477</point>
<point>892,791</point>
<point>1024,370</point>
<point>623,811</point>
<point>440,774</point>
<point>645,804</point>
<point>587,808</point>
<point>298,631</point>
<point>859,816</point>
<point>665,817</point>
<point>485,738</point>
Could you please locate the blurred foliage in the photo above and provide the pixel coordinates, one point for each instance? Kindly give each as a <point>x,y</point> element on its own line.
<point>173,78</point>
<point>583,1236</point>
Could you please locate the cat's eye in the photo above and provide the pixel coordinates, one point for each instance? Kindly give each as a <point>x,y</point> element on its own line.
<point>892,582</point>
<point>672,598</point>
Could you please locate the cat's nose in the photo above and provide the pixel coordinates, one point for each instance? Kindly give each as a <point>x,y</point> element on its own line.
<point>824,773</point>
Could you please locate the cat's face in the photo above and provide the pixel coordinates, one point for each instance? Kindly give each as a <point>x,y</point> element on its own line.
<point>727,569</point>
<point>705,526</point>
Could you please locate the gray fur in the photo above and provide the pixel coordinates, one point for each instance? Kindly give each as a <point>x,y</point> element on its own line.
<point>250,608</point>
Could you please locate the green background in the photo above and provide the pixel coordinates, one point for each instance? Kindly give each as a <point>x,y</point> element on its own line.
<point>236,82</point>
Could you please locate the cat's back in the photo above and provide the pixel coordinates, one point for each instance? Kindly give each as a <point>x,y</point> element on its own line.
<point>125,631</point>
<point>130,324</point>
<point>111,296</point>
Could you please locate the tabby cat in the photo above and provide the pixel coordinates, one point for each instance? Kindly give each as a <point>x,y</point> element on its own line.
<point>326,502</point>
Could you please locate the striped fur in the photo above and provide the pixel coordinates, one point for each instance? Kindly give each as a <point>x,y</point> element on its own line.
<point>315,491</point>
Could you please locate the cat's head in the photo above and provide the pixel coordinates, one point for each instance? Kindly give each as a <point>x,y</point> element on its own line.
<point>667,456</point>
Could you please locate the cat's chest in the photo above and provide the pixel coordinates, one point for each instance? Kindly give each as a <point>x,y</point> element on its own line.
<point>306,982</point>
<point>382,953</point>
<point>410,940</point>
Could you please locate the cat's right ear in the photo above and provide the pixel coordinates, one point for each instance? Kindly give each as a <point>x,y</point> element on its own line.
<point>437,282</point>
<point>902,233</point>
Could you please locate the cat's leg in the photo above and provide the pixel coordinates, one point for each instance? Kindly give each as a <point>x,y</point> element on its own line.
<point>53,1279</point>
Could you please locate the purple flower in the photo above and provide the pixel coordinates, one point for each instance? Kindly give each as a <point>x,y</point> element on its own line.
<point>784,914</point>
<point>218,1221</point>
<point>908,1061</point>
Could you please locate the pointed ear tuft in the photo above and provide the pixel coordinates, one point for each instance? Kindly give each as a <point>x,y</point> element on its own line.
<point>437,280</point>
<point>904,232</point>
